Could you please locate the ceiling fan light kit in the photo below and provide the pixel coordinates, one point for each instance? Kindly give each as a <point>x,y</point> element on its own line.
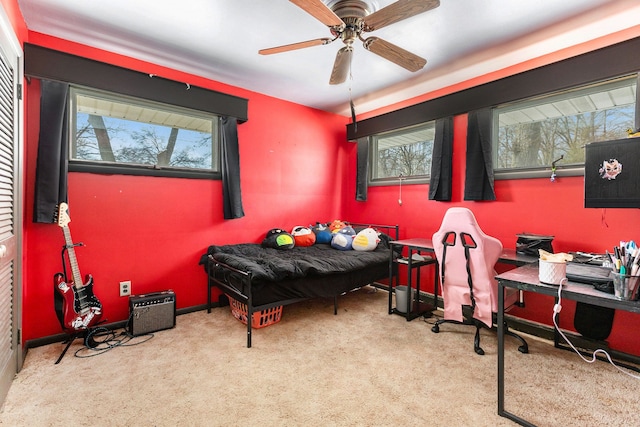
<point>348,19</point>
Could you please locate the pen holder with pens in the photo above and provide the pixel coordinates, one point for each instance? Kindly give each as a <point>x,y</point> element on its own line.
<point>625,287</point>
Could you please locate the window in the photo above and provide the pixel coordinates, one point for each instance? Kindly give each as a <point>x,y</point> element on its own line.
<point>405,152</point>
<point>530,135</point>
<point>114,133</point>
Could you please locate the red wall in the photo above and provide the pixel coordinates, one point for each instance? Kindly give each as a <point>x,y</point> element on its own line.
<point>296,169</point>
<point>152,230</point>
<point>531,205</point>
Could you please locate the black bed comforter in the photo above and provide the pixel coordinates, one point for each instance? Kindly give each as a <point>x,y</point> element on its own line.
<point>272,265</point>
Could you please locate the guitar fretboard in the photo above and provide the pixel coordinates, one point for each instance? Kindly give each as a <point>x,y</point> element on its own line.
<point>75,270</point>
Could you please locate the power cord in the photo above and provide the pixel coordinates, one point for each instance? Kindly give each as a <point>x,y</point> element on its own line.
<point>431,319</point>
<point>556,309</point>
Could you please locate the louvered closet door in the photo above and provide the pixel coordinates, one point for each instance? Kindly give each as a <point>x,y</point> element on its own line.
<point>10,276</point>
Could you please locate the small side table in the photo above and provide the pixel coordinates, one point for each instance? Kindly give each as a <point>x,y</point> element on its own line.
<point>414,246</point>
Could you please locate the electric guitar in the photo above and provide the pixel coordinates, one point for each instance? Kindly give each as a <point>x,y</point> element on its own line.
<point>80,308</point>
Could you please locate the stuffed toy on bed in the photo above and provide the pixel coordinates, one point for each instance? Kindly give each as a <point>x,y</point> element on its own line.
<point>343,239</point>
<point>303,236</point>
<point>277,238</point>
<point>336,225</point>
<point>322,232</point>
<point>366,240</point>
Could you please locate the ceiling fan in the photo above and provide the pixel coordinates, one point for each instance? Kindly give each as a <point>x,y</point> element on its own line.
<point>348,20</point>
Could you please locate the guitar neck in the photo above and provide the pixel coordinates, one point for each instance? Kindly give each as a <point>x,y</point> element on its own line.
<point>75,270</point>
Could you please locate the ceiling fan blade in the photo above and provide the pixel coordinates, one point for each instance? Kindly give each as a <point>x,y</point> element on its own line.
<point>395,54</point>
<point>402,9</point>
<point>320,11</point>
<point>341,66</point>
<point>294,46</point>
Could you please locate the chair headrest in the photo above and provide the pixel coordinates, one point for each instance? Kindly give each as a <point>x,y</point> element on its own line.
<point>462,223</point>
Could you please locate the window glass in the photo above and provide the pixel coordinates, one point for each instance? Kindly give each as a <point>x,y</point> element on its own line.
<point>534,133</point>
<point>113,129</point>
<point>404,152</point>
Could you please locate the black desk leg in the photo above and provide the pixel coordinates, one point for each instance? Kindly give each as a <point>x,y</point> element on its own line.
<point>501,326</point>
<point>501,349</point>
<point>392,275</point>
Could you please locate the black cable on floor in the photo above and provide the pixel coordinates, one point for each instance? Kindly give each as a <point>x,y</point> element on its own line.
<point>99,340</point>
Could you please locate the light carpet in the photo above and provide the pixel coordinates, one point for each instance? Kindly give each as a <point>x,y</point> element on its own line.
<point>362,367</point>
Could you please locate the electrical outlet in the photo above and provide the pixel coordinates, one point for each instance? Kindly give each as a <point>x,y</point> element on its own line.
<point>125,288</point>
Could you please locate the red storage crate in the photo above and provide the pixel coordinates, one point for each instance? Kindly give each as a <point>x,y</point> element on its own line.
<point>259,319</point>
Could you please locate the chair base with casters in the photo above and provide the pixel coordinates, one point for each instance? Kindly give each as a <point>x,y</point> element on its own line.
<point>469,320</point>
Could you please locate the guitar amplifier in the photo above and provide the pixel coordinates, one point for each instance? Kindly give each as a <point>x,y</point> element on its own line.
<point>152,312</point>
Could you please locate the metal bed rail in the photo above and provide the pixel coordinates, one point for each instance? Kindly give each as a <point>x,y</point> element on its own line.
<point>237,283</point>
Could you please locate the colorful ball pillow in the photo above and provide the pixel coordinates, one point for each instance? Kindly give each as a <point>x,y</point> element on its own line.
<point>343,239</point>
<point>366,240</point>
<point>336,225</point>
<point>303,236</point>
<point>277,238</point>
<point>322,232</point>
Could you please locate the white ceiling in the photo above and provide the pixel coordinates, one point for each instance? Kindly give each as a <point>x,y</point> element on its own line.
<point>220,39</point>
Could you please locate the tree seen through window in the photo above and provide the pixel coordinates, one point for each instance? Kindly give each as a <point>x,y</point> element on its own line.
<point>405,152</point>
<point>137,134</point>
<point>532,134</point>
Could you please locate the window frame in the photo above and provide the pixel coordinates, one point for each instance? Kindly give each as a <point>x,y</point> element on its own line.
<point>544,171</point>
<point>373,158</point>
<point>111,168</point>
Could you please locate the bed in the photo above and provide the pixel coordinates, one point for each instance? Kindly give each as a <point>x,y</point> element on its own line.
<point>264,278</point>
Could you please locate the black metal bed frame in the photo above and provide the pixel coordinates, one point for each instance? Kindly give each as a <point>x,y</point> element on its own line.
<point>237,283</point>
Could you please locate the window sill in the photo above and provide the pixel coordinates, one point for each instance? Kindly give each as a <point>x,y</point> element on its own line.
<point>396,181</point>
<point>538,173</point>
<point>121,169</point>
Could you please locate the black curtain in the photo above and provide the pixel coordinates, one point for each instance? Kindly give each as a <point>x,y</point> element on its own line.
<point>231,194</point>
<point>53,151</point>
<point>478,183</point>
<point>441,161</point>
<point>362,169</point>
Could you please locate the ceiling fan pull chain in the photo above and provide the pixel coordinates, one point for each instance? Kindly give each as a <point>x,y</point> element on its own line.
<point>353,108</point>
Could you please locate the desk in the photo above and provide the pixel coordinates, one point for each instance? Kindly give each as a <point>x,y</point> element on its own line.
<point>526,279</point>
<point>419,245</point>
<point>508,255</point>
